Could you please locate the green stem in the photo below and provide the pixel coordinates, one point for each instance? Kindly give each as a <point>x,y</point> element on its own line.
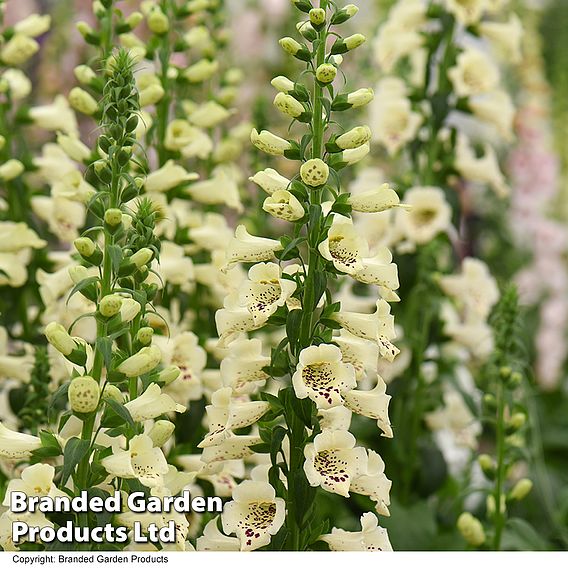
<point>499,517</point>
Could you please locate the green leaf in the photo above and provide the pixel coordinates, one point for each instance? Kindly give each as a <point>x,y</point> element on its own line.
<point>58,397</point>
<point>120,410</point>
<point>81,286</point>
<point>75,450</point>
<point>104,345</point>
<point>278,435</point>
<point>293,326</point>
<point>520,535</point>
<point>115,252</point>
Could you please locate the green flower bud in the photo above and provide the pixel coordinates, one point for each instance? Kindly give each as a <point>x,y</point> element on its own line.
<point>142,257</point>
<point>487,465</point>
<point>161,432</point>
<point>110,305</point>
<point>134,19</point>
<point>314,172</point>
<point>113,217</point>
<point>169,374</point>
<point>77,273</point>
<point>282,84</point>
<point>290,45</point>
<point>144,335</point>
<point>57,335</point>
<point>516,422</point>
<point>343,15</point>
<point>306,30</point>
<point>471,529</point>
<point>317,16</point>
<point>326,73</point>
<point>157,21</point>
<point>521,489</point>
<point>354,41</point>
<point>354,138</point>
<point>84,394</point>
<point>112,392</point>
<point>85,246</point>
<point>82,101</point>
<point>288,105</point>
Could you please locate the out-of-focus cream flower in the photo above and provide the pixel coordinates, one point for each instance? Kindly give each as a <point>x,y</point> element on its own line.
<point>467,12</point>
<point>209,115</point>
<point>18,49</point>
<point>221,189</point>
<point>17,82</point>
<point>497,109</point>
<point>505,37</point>
<point>168,176</point>
<point>473,74</point>
<point>56,116</point>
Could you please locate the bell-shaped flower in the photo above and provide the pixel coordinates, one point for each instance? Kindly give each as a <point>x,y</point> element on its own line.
<point>212,234</point>
<point>283,205</point>
<point>233,319</point>
<point>209,115</point>
<point>373,482</point>
<point>242,368</point>
<point>495,108</point>
<point>506,37</point>
<point>245,247</point>
<point>375,200</point>
<point>34,520</point>
<point>232,448</point>
<point>36,480</point>
<point>362,355</point>
<point>184,352</point>
<point>378,326</point>
<point>255,514</point>
<point>381,271</point>
<point>220,189</point>
<point>333,461</point>
<point>322,376</point>
<point>140,461</point>
<point>343,246</point>
<point>372,404</point>
<point>15,445</point>
<point>371,538</point>
<point>430,215</point>
<point>151,404</point>
<point>335,418</point>
<point>270,180</point>
<point>221,475</point>
<point>167,177</point>
<point>474,73</point>
<point>225,414</point>
<point>15,237</point>
<point>57,116</point>
<point>214,540</point>
<point>265,291</point>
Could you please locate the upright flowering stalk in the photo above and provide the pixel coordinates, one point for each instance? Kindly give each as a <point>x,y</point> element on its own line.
<point>303,427</point>
<point>504,409</point>
<point>440,106</point>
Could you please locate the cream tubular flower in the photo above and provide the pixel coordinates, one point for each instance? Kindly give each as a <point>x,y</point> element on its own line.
<point>247,248</point>
<point>374,483</point>
<point>265,291</point>
<point>232,448</point>
<point>209,115</point>
<point>269,143</point>
<point>17,236</point>
<point>215,541</point>
<point>225,414</point>
<point>429,215</point>
<point>322,376</point>
<point>333,461</point>
<point>378,326</point>
<point>167,177</point>
<point>381,271</point>
<point>362,355</point>
<point>56,116</point>
<point>467,12</point>
<point>505,37</point>
<point>372,538</point>
<point>15,445</point>
<point>372,404</point>
<point>221,189</point>
<point>343,246</point>
<point>375,200</point>
<point>36,480</point>
<point>497,109</point>
<point>473,74</point>
<point>151,404</point>
<point>234,318</point>
<point>242,368</point>
<point>354,138</point>
<point>34,25</point>
<point>270,180</point>
<point>283,205</point>
<point>254,515</point>
<point>141,461</point>
<point>34,520</point>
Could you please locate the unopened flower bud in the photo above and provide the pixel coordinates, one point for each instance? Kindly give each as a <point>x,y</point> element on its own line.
<point>151,95</point>
<point>354,138</point>
<point>326,73</point>
<point>112,392</point>
<point>471,529</point>
<point>360,97</point>
<point>354,41</point>
<point>516,422</point>
<point>161,432</point>
<point>85,246</point>
<point>515,380</point>
<point>169,374</point>
<point>290,45</point>
<point>345,14</point>
<point>134,19</point>
<point>77,273</point>
<point>11,169</point>
<point>157,21</point>
<point>521,489</point>
<point>487,465</point>
<point>317,16</point>
<point>142,257</point>
<point>144,335</point>
<point>355,155</point>
<point>18,50</point>
<point>57,335</point>
<point>82,101</point>
<point>147,359</point>
<point>282,84</point>
<point>314,172</point>
<point>307,31</point>
<point>492,507</point>
<point>201,71</point>
<point>113,217</point>
<point>84,394</point>
<point>110,305</point>
<point>288,105</point>
<point>129,310</point>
